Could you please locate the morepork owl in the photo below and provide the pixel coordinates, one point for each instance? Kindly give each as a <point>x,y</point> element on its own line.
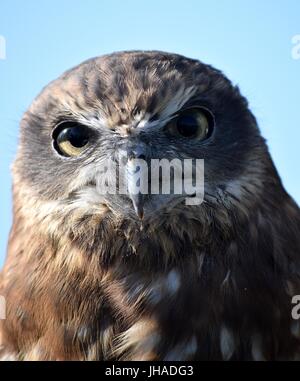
<point>103,276</point>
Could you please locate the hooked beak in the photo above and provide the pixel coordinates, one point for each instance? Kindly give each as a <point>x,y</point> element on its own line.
<point>137,177</point>
<point>138,204</point>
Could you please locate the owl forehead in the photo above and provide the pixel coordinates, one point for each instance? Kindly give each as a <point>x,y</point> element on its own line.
<point>128,89</point>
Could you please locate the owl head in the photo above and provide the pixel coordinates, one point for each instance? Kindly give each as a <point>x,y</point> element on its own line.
<point>146,106</point>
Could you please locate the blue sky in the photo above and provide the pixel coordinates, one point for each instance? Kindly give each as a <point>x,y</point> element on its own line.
<point>251,41</point>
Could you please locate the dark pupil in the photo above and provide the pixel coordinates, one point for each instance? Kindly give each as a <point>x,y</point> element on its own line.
<point>77,136</point>
<point>187,125</point>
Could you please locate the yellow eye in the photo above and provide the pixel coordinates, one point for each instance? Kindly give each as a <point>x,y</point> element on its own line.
<point>193,124</point>
<point>72,140</point>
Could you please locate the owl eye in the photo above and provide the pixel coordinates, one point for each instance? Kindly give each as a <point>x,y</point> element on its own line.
<point>71,139</point>
<point>193,124</point>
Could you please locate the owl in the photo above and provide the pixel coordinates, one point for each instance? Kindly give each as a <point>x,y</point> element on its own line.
<point>94,275</point>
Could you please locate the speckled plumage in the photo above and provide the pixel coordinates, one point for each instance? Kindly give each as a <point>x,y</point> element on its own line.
<point>86,279</point>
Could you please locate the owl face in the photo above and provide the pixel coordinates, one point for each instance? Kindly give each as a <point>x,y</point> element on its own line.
<point>136,105</point>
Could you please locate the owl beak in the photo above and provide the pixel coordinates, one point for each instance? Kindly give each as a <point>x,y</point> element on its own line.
<point>135,173</point>
<point>138,204</point>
